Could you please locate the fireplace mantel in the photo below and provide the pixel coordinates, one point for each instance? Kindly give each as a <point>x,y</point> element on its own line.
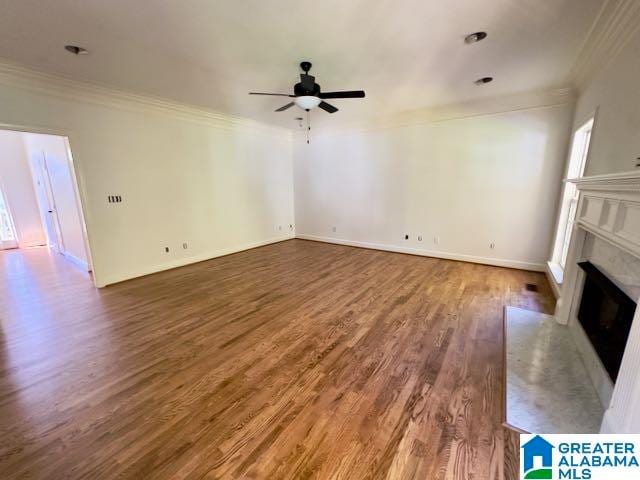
<point>609,208</point>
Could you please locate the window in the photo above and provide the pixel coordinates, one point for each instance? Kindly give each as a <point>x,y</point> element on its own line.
<point>7,232</point>
<point>577,160</point>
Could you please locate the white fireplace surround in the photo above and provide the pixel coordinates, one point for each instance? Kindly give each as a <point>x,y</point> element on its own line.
<point>609,208</point>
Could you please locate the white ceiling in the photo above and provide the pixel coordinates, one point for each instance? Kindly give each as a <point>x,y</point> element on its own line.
<point>406,54</point>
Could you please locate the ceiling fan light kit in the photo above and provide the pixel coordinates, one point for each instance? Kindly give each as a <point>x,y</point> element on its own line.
<point>307,93</point>
<point>307,102</point>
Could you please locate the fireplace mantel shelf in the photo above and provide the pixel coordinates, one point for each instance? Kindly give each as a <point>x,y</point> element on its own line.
<point>610,208</point>
<point>625,181</point>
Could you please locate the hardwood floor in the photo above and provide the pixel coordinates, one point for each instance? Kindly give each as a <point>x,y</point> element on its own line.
<point>511,447</point>
<point>294,360</point>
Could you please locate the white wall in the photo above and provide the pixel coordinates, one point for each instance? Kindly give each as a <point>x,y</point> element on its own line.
<point>58,168</point>
<point>221,185</point>
<point>469,182</point>
<point>614,92</point>
<point>218,185</point>
<point>16,182</point>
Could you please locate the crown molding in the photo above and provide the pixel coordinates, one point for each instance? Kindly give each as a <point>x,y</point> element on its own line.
<point>18,76</point>
<point>616,23</point>
<point>470,109</point>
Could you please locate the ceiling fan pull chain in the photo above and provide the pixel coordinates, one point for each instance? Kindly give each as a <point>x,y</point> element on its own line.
<point>308,126</point>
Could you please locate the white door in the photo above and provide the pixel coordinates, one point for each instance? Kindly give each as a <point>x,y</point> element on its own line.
<point>46,201</point>
<point>8,238</point>
<point>54,232</point>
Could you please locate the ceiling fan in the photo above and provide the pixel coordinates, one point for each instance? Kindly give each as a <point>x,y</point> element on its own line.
<point>307,93</point>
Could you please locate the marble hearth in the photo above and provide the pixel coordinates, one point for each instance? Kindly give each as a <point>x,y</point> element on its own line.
<point>548,387</point>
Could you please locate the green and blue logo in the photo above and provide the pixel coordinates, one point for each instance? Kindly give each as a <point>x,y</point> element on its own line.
<point>580,457</point>
<point>537,458</point>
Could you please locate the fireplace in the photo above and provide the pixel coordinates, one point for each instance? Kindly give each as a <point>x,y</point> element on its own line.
<point>608,211</point>
<point>606,314</point>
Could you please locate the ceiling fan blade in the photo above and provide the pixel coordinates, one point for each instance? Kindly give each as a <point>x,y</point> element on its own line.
<point>284,107</point>
<point>327,107</point>
<point>272,94</point>
<point>307,81</point>
<point>345,94</point>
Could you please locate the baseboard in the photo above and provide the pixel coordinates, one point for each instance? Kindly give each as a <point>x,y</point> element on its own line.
<point>81,264</point>
<point>31,244</point>
<point>497,262</point>
<point>103,281</point>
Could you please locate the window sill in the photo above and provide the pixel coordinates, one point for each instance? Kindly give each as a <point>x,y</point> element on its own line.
<point>556,276</point>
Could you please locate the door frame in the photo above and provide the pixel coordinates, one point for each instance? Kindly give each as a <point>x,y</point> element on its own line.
<point>79,184</point>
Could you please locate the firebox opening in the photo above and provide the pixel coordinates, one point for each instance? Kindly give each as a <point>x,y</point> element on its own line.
<point>605,314</point>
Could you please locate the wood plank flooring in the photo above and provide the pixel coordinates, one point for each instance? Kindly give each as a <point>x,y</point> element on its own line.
<point>294,360</point>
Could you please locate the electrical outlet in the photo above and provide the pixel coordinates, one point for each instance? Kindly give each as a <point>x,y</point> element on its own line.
<point>185,246</point>
<point>291,226</point>
<point>334,229</point>
<point>280,227</point>
<point>492,245</point>
<point>406,236</point>
<point>166,249</point>
<point>436,240</point>
<point>419,238</point>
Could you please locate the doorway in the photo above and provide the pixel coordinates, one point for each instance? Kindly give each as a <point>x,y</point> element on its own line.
<point>40,204</point>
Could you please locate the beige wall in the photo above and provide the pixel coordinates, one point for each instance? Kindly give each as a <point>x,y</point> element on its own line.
<point>17,184</point>
<point>465,184</point>
<point>217,186</point>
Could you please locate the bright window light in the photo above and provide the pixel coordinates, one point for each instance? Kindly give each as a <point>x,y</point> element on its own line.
<point>577,161</point>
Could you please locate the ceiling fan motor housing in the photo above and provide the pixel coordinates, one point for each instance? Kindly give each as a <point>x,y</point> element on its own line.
<point>299,90</point>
